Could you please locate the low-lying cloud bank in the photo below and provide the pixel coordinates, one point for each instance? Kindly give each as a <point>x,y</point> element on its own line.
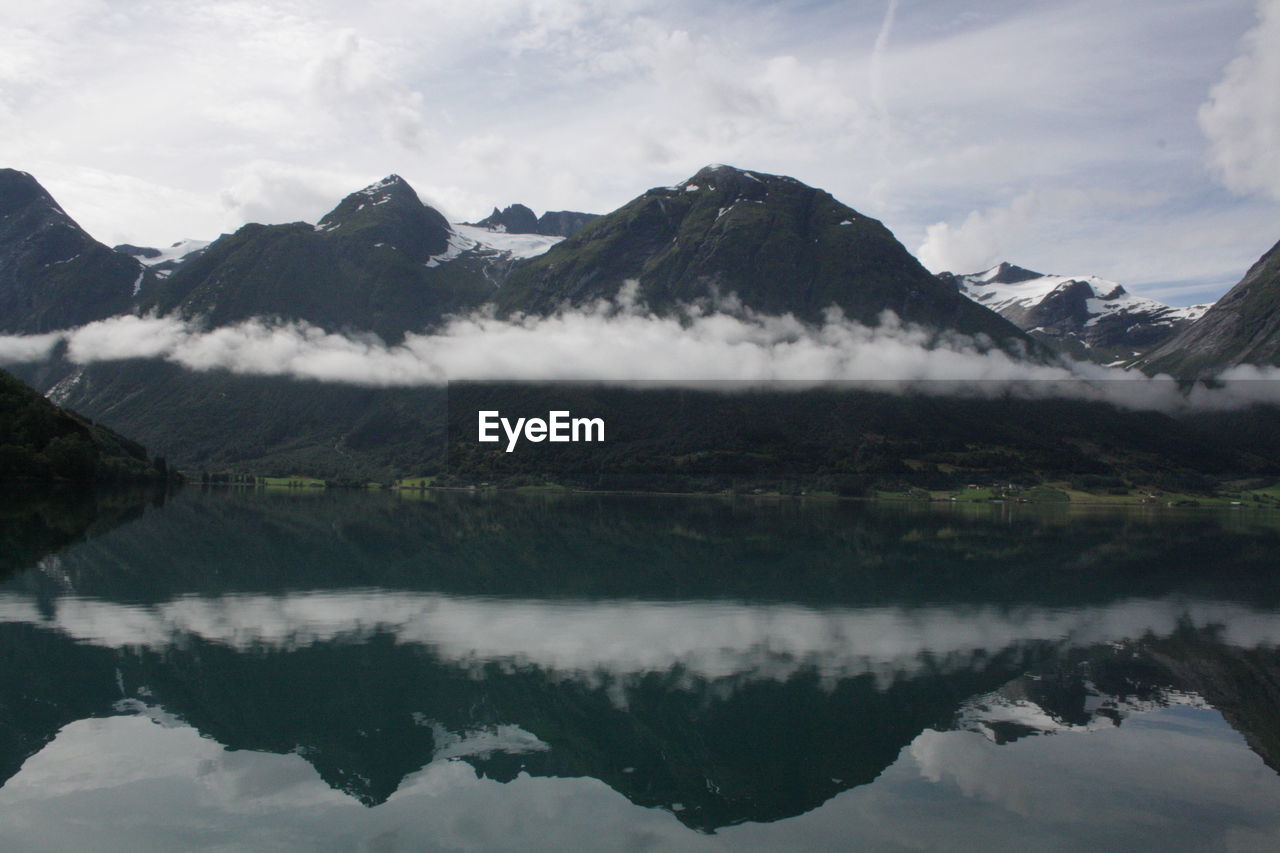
<point>621,342</point>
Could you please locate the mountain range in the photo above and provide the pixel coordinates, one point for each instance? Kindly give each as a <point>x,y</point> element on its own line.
<point>383,263</point>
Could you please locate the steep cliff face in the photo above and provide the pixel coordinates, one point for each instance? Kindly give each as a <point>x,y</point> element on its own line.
<point>1243,327</point>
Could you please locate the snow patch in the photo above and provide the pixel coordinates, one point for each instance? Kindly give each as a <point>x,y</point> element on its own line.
<point>1107,299</point>
<point>177,252</point>
<point>378,192</point>
<point>516,245</point>
<point>61,392</point>
<point>456,246</point>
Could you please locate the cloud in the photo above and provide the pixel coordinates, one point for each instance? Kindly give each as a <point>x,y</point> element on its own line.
<point>16,349</point>
<point>876,74</point>
<point>619,341</point>
<point>1242,116</point>
<point>355,78</point>
<point>272,191</point>
<point>981,240</point>
<point>608,341</point>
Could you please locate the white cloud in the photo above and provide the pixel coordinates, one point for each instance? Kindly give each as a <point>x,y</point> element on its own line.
<point>24,348</point>
<point>877,58</point>
<point>355,78</point>
<point>620,342</point>
<point>980,240</point>
<point>607,341</point>
<point>1242,116</point>
<point>272,191</point>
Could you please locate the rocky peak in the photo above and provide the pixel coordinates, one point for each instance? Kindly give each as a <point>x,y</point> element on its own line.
<point>518,219</point>
<point>389,212</point>
<point>392,190</point>
<point>514,219</point>
<point>136,251</point>
<point>733,182</point>
<point>1007,273</point>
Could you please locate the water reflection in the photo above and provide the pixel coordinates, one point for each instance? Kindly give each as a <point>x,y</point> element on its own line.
<point>723,663</point>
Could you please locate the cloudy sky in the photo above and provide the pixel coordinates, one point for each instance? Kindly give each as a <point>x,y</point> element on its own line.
<point>1138,141</point>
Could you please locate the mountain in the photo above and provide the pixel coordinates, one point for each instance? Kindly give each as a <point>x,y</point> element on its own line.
<point>1243,327</point>
<point>53,275</point>
<point>518,219</point>
<point>39,441</point>
<point>776,244</point>
<point>380,261</point>
<point>1086,317</point>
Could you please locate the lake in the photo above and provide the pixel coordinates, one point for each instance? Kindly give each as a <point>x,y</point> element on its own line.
<point>240,670</point>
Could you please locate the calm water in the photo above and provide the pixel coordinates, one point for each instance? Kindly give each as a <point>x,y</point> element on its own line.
<point>239,671</point>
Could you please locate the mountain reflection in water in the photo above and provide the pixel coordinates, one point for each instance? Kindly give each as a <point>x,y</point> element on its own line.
<point>722,662</point>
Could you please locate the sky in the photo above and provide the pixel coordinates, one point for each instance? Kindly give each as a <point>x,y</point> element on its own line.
<point>1136,141</point>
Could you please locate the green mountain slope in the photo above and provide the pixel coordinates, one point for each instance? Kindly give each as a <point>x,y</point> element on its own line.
<point>374,263</point>
<point>778,245</point>
<point>218,421</point>
<point>39,441</point>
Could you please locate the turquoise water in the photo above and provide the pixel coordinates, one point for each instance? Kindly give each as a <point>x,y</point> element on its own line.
<point>239,670</point>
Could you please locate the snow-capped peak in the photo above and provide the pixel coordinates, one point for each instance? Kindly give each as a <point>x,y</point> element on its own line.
<point>1007,287</point>
<point>378,187</point>
<point>381,192</point>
